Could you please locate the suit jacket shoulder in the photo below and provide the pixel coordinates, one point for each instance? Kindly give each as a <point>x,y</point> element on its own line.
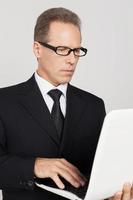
<point>17,88</point>
<point>86,96</point>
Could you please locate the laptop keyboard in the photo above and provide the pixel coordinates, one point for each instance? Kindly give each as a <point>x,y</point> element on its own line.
<point>80,192</point>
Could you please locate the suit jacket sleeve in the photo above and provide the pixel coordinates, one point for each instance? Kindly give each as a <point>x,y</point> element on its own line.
<point>15,171</point>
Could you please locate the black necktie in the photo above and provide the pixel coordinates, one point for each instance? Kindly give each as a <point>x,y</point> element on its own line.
<point>56,113</point>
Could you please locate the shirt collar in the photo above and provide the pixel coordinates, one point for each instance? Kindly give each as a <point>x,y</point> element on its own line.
<point>46,86</point>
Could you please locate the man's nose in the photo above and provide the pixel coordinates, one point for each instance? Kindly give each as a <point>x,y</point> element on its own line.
<point>71,57</point>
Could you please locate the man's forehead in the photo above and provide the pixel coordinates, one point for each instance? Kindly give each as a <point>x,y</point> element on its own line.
<point>64,31</point>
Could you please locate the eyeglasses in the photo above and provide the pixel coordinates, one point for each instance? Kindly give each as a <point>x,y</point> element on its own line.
<point>65,51</point>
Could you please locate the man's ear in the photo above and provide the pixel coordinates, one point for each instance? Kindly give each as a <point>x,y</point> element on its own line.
<point>36,49</point>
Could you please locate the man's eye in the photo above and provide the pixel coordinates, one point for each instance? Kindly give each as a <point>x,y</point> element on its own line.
<point>62,49</point>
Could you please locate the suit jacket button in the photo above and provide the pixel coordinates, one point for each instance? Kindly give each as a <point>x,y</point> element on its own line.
<point>21,183</point>
<point>30,183</point>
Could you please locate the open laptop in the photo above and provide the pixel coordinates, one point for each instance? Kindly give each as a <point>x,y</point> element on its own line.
<point>113,162</point>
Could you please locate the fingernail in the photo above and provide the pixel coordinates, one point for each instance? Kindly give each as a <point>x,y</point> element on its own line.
<point>127,187</point>
<point>62,186</point>
<point>127,184</point>
<point>82,183</point>
<point>77,184</point>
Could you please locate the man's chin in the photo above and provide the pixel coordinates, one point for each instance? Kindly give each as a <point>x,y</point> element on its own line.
<point>64,81</point>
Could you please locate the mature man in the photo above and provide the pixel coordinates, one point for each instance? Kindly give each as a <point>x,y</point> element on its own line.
<point>48,128</point>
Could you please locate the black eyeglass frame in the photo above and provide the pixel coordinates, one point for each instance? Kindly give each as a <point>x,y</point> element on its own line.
<point>70,50</point>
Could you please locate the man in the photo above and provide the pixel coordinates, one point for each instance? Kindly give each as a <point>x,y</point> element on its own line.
<point>48,128</point>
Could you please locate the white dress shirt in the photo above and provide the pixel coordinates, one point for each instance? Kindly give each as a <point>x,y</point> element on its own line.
<point>45,87</point>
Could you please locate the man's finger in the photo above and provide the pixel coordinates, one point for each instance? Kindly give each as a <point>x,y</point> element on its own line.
<point>132,192</point>
<point>74,171</point>
<point>118,196</point>
<point>126,192</point>
<point>68,177</point>
<point>57,181</point>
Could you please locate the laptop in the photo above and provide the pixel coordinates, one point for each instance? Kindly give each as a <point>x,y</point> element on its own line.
<point>113,161</point>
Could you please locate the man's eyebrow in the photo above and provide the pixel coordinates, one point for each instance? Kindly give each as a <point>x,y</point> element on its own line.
<point>69,47</point>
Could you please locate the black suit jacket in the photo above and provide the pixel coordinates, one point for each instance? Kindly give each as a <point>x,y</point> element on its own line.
<point>27,132</point>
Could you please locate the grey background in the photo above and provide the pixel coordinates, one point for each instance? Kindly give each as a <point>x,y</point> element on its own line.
<point>107,33</point>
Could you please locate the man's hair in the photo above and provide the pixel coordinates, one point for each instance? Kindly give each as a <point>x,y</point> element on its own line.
<point>51,15</point>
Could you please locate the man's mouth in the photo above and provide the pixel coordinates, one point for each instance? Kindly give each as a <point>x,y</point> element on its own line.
<point>68,71</point>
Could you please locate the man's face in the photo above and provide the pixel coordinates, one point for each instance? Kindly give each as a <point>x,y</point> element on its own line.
<point>55,68</point>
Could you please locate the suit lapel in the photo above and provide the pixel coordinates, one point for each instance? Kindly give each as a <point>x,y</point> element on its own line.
<point>34,103</point>
<point>75,108</point>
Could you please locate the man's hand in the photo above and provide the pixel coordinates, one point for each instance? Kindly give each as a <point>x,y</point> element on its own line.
<point>126,194</point>
<point>53,168</point>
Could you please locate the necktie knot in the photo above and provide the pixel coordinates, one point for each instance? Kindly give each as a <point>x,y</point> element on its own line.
<point>55,94</point>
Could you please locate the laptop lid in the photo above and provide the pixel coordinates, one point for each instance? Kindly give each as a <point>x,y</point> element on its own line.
<point>113,162</point>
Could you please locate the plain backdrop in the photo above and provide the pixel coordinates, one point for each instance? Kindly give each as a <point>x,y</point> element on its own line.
<point>107,30</point>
